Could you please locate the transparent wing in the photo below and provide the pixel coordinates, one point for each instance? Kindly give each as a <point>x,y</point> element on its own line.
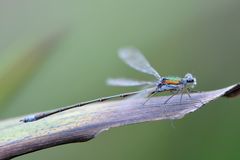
<point>126,82</point>
<point>134,58</point>
<point>141,94</point>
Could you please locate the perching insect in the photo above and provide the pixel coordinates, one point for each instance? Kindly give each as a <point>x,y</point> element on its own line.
<point>134,58</point>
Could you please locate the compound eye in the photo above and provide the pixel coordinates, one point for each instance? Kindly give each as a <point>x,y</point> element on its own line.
<point>190,80</point>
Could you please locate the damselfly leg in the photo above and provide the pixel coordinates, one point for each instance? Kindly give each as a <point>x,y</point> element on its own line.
<point>150,96</point>
<point>173,94</point>
<point>188,91</point>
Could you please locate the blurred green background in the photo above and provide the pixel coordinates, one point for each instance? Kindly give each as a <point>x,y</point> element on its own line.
<point>56,53</point>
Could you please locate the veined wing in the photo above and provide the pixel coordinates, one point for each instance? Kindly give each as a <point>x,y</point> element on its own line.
<point>134,58</point>
<point>141,94</point>
<point>127,82</point>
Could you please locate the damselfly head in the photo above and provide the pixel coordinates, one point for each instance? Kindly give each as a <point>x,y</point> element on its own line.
<point>189,80</point>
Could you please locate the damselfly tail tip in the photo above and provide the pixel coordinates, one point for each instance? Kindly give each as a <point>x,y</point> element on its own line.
<point>29,118</point>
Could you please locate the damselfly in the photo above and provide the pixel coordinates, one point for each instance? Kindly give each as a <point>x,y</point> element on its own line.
<point>134,58</point>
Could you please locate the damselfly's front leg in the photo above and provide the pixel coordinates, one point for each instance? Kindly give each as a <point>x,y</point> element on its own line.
<point>188,91</point>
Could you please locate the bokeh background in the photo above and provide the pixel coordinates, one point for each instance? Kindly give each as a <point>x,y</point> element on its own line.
<point>56,53</point>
